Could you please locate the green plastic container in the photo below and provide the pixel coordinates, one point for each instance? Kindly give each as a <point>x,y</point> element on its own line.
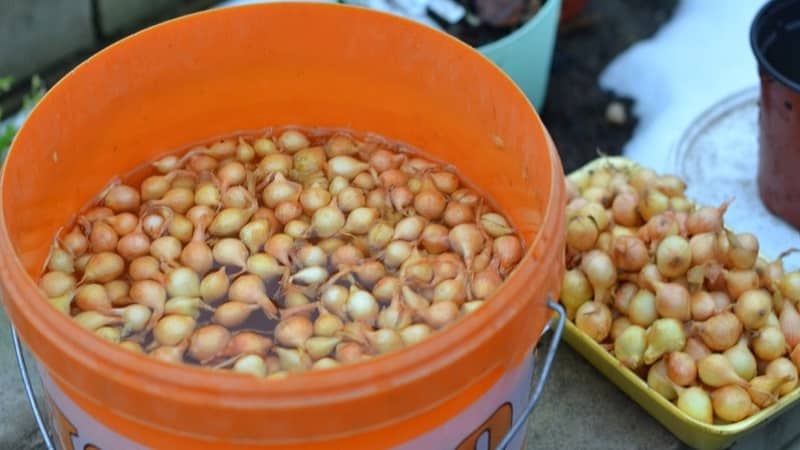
<point>525,55</point>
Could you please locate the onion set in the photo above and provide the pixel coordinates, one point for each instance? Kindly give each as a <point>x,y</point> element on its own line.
<point>298,251</point>
<point>677,298</point>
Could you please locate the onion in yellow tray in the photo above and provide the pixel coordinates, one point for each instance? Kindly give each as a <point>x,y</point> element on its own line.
<point>731,403</point>
<point>664,335</point>
<point>630,346</point>
<point>696,403</point>
<point>594,319</point>
<point>575,291</point>
<point>716,370</point>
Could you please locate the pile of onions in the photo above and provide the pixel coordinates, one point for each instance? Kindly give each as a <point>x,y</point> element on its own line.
<point>684,303</point>
<point>293,251</point>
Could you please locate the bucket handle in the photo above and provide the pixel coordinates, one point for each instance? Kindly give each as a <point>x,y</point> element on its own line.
<point>548,363</point>
<point>26,381</point>
<point>537,392</point>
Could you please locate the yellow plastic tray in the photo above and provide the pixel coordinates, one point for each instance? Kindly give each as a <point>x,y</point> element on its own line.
<point>692,432</point>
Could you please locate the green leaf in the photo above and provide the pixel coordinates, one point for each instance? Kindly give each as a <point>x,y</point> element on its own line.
<point>35,94</point>
<point>5,83</point>
<point>7,133</point>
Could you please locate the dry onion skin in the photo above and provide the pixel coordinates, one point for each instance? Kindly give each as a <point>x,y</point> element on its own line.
<point>691,307</point>
<point>277,254</point>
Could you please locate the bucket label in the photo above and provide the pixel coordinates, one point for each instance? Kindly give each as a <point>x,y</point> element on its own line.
<point>484,424</point>
<point>481,426</point>
<point>73,428</point>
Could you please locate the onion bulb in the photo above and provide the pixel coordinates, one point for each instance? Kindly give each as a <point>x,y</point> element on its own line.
<point>495,224</point>
<point>319,347</point>
<point>594,319</point>
<point>92,320</point>
<point>173,329</point>
<point>208,342</point>
<point>600,271</point>
<point>385,340</point>
<point>582,233</point>
<point>769,343</point>
<point>467,241</point>
<point>362,306</point>
<point>681,368</point>
<point>416,333</point>
<point>110,334</point>
<point>696,349</point>
<point>703,248</point>
<point>327,220</point>
<point>702,305</point>
<point>56,284</point>
<point>618,326</point>
<point>102,267</point>
<point>248,343</point>
<point>172,354</point>
<point>731,403</point>
<point>575,291</point>
<point>623,295</point>
<point>717,371</point>
<point>742,359</point>
<point>789,285</point>
<point>753,307</point>
<point>659,381</point>
<point>629,253</point>
<point>720,332</point>
<point>294,331</point>
<point>230,221</point>
<point>630,346</point>
<point>214,285</point>
<point>652,203</point>
<point>251,365</point>
<point>663,336</point>
<point>642,309</point>
<point>783,368</point>
<point>623,209</point>
<point>430,202</point>
<point>659,227</point>
<point>672,300</point>
<point>795,355</point>
<point>345,166</point>
<point>722,301</point>
<point>598,214</point>
<point>75,243</point>
<point>250,289</point>
<point>790,324</point>
<point>706,219</point>
<point>673,256</point>
<point>102,238</point>
<point>763,389</point>
<point>743,250</point>
<point>232,313</point>
<point>122,198</point>
<point>292,141</point>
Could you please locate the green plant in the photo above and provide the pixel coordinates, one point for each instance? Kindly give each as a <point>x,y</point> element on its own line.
<point>29,100</point>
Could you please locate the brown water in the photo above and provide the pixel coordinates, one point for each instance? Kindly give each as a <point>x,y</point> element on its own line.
<point>276,291</point>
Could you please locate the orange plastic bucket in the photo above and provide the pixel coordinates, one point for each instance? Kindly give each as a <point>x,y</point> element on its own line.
<point>250,67</point>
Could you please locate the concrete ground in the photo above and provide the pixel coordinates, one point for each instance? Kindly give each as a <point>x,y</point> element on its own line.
<point>581,409</point>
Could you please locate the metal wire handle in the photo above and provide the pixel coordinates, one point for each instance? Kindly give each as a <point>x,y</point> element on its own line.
<point>26,381</point>
<point>537,392</point>
<point>548,363</point>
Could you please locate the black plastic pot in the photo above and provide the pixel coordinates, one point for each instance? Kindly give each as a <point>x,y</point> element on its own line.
<point>775,39</point>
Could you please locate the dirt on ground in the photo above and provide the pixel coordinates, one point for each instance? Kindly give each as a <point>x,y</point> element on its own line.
<point>575,111</point>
